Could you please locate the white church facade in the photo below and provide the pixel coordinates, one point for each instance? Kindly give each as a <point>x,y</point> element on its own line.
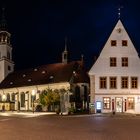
<point>115,76</point>
<point>20,90</point>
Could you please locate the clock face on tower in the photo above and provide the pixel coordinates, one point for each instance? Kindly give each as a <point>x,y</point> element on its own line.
<point>119,30</point>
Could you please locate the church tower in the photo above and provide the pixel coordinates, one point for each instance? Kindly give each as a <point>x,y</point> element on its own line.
<point>65,54</point>
<point>6,63</point>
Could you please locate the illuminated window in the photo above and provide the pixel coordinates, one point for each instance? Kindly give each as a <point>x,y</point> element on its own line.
<point>124,43</point>
<point>13,96</point>
<point>33,98</point>
<point>113,82</point>
<point>130,103</point>
<point>124,61</point>
<point>106,103</point>
<point>113,43</point>
<point>134,82</point>
<point>8,97</point>
<point>113,62</point>
<point>124,82</point>
<point>103,82</point>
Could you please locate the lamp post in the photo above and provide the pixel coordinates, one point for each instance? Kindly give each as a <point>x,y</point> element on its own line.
<point>3,99</point>
<point>33,98</point>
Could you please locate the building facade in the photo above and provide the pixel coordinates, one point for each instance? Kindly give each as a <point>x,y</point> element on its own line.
<point>21,90</point>
<point>115,76</point>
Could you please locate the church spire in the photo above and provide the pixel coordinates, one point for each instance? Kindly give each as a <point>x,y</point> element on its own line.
<point>6,63</point>
<point>65,53</point>
<point>3,22</point>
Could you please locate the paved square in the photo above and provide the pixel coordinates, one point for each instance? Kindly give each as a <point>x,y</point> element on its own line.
<point>70,128</point>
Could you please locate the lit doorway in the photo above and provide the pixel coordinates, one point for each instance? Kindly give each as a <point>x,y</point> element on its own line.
<point>119,104</point>
<point>98,107</point>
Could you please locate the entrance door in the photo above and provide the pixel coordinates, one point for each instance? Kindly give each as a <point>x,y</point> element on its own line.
<point>98,107</point>
<point>119,104</point>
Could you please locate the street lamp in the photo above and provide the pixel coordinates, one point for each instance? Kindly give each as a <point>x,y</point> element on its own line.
<point>33,98</point>
<point>3,99</point>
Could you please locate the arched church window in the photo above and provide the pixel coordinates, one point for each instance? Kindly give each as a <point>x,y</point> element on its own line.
<point>22,97</point>
<point>8,97</point>
<point>13,96</point>
<point>33,98</point>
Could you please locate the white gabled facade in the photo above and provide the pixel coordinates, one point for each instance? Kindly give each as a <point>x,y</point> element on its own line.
<point>115,76</point>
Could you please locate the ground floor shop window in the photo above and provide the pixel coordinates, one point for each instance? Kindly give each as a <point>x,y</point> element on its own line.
<point>106,102</point>
<point>130,103</point>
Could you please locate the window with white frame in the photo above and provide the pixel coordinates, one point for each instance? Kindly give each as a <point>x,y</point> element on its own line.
<point>113,82</point>
<point>124,82</point>
<point>103,82</point>
<point>130,103</point>
<point>134,82</point>
<point>106,102</point>
<point>124,61</point>
<point>113,62</point>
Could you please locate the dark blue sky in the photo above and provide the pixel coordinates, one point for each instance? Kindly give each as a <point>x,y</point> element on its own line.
<point>39,28</point>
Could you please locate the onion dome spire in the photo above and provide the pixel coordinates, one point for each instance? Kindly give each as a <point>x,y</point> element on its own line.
<point>3,22</point>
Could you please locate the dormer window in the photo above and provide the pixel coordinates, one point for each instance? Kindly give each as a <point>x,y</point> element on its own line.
<point>29,80</point>
<point>113,43</point>
<point>124,43</point>
<point>43,72</point>
<point>35,69</point>
<point>11,83</point>
<point>51,77</point>
<point>23,75</point>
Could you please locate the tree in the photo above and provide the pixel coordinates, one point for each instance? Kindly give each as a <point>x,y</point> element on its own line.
<point>50,97</point>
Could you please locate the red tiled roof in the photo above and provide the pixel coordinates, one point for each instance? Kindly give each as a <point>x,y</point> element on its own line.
<point>51,73</point>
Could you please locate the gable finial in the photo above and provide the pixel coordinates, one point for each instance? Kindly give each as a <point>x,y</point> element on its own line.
<point>65,43</point>
<point>119,11</point>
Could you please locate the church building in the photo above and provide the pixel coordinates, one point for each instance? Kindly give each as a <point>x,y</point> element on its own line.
<point>18,89</point>
<point>115,76</point>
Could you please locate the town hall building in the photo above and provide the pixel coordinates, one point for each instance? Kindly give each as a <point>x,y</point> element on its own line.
<point>115,76</point>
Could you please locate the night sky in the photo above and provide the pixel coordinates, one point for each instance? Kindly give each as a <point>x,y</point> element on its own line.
<point>39,28</point>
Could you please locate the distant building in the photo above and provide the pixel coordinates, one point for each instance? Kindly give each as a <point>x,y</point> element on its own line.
<point>115,76</point>
<point>16,87</point>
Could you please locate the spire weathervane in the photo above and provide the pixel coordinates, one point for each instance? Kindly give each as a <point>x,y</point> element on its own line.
<point>3,13</point>
<point>65,43</point>
<point>119,11</point>
<point>3,23</point>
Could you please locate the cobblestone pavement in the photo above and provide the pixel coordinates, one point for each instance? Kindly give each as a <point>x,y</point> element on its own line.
<point>86,127</point>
